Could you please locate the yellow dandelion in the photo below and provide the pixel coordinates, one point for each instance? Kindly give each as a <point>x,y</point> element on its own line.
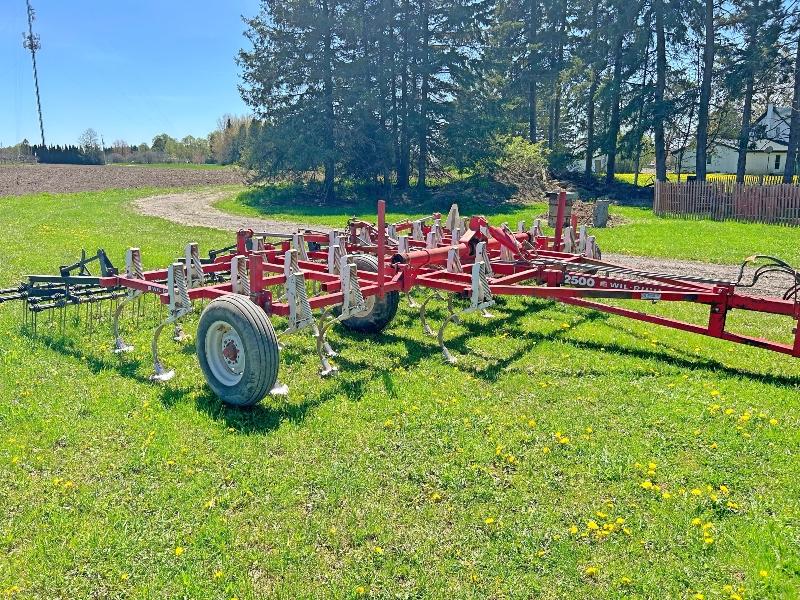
<point>724,489</point>
<point>699,596</point>
<point>625,581</point>
<point>531,422</point>
<point>540,553</point>
<point>708,540</point>
<point>715,392</point>
<point>211,503</point>
<point>546,450</point>
<point>573,529</point>
<point>591,571</point>
<point>763,573</point>
<point>511,459</point>
<point>436,496</point>
<point>217,574</point>
<point>647,484</point>
<point>488,521</point>
<point>179,550</point>
<point>713,445</point>
<point>361,591</point>
<point>773,421</point>
<point>378,550</point>
<point>124,576</point>
<point>666,495</point>
<point>696,492</point>
<point>619,521</point>
<point>563,440</point>
<point>729,411</point>
<point>592,526</point>
<point>388,424</point>
<point>697,521</point>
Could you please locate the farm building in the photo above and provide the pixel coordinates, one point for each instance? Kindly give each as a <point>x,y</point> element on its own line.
<point>766,154</point>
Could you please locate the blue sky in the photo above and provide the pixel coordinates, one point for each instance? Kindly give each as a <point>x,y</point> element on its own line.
<point>131,69</point>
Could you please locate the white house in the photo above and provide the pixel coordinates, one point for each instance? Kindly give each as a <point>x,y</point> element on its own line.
<point>599,164</point>
<point>766,154</point>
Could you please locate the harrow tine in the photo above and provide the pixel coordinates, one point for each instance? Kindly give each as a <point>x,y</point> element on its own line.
<point>426,329</point>
<point>322,345</point>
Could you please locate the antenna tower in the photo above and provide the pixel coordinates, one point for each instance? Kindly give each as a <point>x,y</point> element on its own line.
<point>31,42</point>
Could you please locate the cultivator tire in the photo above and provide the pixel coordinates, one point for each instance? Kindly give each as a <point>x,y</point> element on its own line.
<point>380,311</point>
<point>238,350</point>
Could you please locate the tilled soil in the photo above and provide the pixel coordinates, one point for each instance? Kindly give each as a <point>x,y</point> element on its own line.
<point>18,180</point>
<point>196,208</point>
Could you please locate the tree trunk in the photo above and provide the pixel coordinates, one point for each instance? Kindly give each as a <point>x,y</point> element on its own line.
<point>533,23</point>
<point>590,122</point>
<point>593,84</point>
<point>794,125</point>
<point>422,164</point>
<point>328,133</point>
<point>556,129</point>
<point>705,94</point>
<point>532,125</point>
<point>744,134</point>
<point>613,123</point>
<point>661,83</point>
<point>403,163</point>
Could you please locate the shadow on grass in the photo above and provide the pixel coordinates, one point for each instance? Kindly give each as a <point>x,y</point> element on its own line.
<point>269,414</point>
<point>478,195</point>
<point>124,366</point>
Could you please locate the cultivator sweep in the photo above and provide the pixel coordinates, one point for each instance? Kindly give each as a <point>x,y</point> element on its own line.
<point>355,277</point>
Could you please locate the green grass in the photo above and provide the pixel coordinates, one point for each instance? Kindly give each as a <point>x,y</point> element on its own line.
<point>400,476</point>
<point>642,233</point>
<point>646,179</point>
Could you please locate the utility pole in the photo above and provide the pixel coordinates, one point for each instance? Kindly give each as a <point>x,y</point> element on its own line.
<point>31,42</point>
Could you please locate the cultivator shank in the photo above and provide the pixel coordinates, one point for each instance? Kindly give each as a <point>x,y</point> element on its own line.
<point>354,277</point>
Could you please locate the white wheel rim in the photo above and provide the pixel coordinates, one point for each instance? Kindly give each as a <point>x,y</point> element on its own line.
<point>369,303</point>
<point>225,353</point>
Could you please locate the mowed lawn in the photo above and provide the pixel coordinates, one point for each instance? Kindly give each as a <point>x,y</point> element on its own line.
<point>569,454</point>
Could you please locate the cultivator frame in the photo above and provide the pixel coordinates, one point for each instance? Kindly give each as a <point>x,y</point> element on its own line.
<point>355,277</point>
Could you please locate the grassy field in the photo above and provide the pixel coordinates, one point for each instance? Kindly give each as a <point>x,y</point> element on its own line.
<point>642,234</point>
<point>569,454</point>
<point>646,179</point>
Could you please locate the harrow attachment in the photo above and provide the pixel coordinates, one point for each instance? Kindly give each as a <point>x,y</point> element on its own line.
<point>354,278</point>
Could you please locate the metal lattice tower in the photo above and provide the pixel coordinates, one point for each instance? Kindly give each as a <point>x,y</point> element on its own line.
<point>32,43</point>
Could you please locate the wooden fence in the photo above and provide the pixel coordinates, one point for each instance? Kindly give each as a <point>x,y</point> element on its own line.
<point>721,200</point>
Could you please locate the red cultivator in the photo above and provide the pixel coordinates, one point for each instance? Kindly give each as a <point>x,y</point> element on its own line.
<point>355,277</point>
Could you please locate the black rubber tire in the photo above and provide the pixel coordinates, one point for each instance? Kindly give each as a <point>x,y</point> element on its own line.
<point>260,349</point>
<point>384,309</point>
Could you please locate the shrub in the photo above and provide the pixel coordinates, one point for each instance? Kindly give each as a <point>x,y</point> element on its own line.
<point>523,165</point>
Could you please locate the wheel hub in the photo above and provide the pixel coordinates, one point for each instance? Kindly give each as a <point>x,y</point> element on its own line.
<point>225,353</point>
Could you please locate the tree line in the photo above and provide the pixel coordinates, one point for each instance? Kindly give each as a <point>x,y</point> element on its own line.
<point>388,90</point>
<point>222,146</point>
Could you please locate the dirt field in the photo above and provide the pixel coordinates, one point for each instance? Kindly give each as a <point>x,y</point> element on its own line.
<point>62,179</point>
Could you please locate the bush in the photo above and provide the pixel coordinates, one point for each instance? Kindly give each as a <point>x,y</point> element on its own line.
<point>523,165</point>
